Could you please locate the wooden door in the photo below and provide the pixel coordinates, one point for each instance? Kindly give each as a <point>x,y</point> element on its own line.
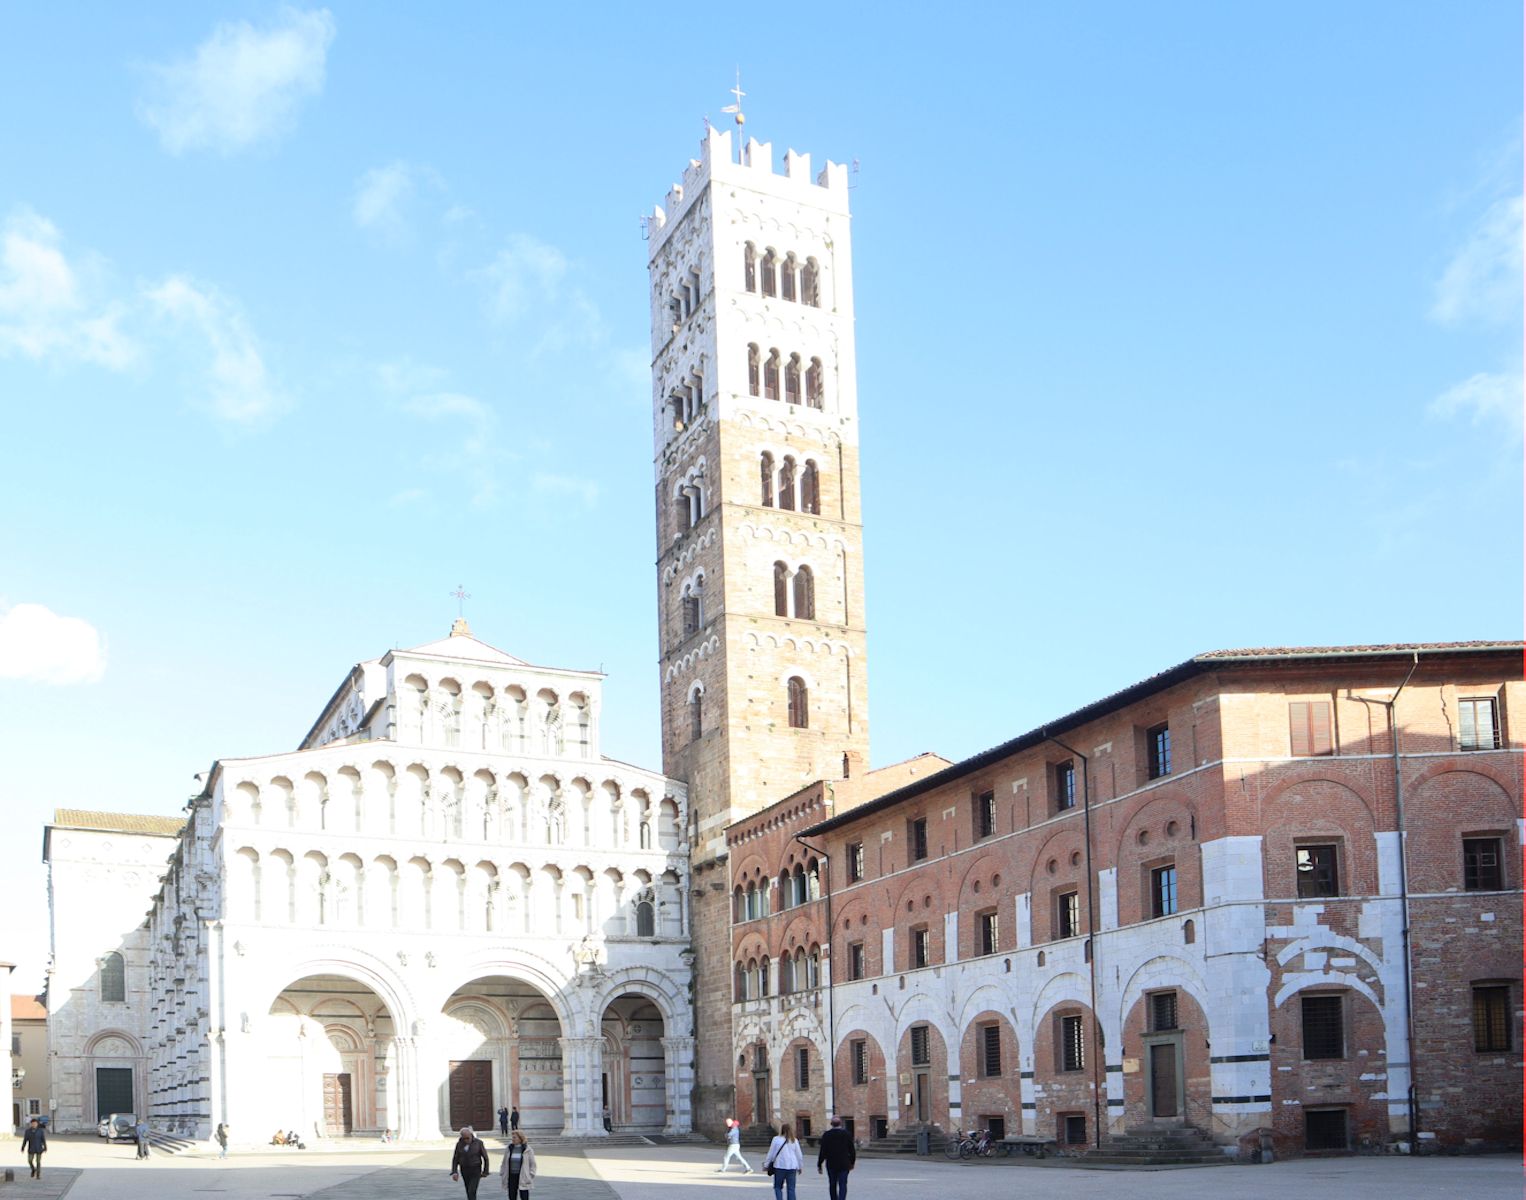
<point>922,1098</point>
<point>471,1094</point>
<point>338,1111</point>
<point>760,1099</point>
<point>113,1091</point>
<point>1163,1082</point>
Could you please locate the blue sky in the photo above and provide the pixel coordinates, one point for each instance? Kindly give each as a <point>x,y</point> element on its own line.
<point>1180,326</point>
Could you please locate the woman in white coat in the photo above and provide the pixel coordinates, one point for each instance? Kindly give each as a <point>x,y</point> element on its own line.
<point>784,1162</point>
<point>517,1172</point>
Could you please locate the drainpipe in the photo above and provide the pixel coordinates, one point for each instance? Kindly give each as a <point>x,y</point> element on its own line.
<point>831,1009</point>
<point>1091,931</point>
<point>1413,1098</point>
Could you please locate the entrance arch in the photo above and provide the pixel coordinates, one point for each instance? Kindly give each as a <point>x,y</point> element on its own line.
<point>634,1084</point>
<point>327,1059</point>
<point>501,1039</point>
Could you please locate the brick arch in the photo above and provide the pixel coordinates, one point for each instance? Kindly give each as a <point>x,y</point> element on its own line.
<point>1307,810</point>
<point>1366,1098</point>
<point>1058,1091</point>
<point>809,1100</point>
<point>936,1072</point>
<point>802,926</point>
<point>1196,1068</point>
<point>983,1095</point>
<point>861,1102</point>
<point>868,933</point>
<point>1135,862</point>
<point>1448,806</point>
<point>1059,845</point>
<point>924,886</point>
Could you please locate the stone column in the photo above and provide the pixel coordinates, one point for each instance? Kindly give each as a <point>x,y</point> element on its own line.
<point>582,1069</point>
<point>678,1083</point>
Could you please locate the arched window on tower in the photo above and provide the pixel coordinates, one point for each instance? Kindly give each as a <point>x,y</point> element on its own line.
<point>792,380</point>
<point>766,470</point>
<point>771,376</point>
<point>797,885</point>
<point>646,919</point>
<point>813,382</point>
<point>770,272</point>
<point>799,703</point>
<point>683,510</point>
<point>750,267</point>
<point>114,978</point>
<point>813,968</point>
<point>763,977</point>
<point>810,488</point>
<point>693,606</point>
<point>805,594</point>
<point>787,278</point>
<point>752,370</point>
<point>753,911</point>
<point>787,484</point>
<point>810,283</point>
<point>786,975</point>
<point>696,714</point>
<point>741,983</point>
<point>781,590</point>
<point>738,905</point>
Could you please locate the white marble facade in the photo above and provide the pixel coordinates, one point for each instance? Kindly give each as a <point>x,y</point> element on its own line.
<point>443,902</point>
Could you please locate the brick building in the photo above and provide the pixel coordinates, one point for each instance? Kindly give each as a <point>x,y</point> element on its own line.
<point>1182,904</point>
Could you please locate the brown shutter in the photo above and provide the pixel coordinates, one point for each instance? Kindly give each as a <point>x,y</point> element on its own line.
<point>1319,727</point>
<point>1298,727</point>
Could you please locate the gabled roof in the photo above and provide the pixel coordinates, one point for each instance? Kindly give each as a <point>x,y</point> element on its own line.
<point>26,1008</point>
<point>80,818</point>
<point>465,646</point>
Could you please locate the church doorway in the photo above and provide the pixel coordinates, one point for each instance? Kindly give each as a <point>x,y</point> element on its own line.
<point>635,1078</point>
<point>501,1040</point>
<point>326,1061</point>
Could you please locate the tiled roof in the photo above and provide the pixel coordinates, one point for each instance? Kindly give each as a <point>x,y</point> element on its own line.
<point>26,1008</point>
<point>1340,651</point>
<point>80,818</point>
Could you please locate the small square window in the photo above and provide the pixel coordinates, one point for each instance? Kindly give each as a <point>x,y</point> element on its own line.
<point>1318,871</point>
<point>987,932</point>
<point>1491,1017</point>
<point>1064,786</point>
<point>1071,1045</point>
<point>1325,1129</point>
<point>916,835</point>
<point>1158,749</point>
<point>1067,915</point>
<point>1324,1034</point>
<point>1163,890</point>
<point>1478,726</point>
<point>1071,1129</point>
<point>921,1053</point>
<point>855,862</point>
<point>921,947</point>
<point>990,1051</point>
<point>1482,865</point>
<point>985,815</point>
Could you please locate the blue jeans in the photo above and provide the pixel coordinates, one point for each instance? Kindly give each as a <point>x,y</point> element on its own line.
<point>783,1179</point>
<point>837,1185</point>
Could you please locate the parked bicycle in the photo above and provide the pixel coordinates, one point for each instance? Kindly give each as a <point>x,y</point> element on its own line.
<point>976,1143</point>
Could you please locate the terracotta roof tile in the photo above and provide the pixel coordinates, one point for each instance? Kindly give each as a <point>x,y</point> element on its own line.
<point>80,818</point>
<point>26,1008</point>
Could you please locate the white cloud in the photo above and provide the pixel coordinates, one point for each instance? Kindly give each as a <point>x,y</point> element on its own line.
<point>584,490</point>
<point>44,310</point>
<point>1484,399</point>
<point>39,646</point>
<point>385,198</point>
<point>242,85</point>
<point>1483,280</point>
<point>238,387</point>
<point>525,274</point>
<point>438,405</point>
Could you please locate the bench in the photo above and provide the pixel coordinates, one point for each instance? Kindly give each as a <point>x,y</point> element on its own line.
<point>1027,1143</point>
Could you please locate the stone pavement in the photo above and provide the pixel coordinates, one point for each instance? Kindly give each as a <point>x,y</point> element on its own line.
<point>559,1176</point>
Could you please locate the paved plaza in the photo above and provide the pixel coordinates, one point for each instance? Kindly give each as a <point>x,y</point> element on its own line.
<point>83,1169</point>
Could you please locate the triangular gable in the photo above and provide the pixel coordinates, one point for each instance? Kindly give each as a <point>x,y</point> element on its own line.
<point>464,646</point>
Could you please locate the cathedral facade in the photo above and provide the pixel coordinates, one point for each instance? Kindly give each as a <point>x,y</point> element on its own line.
<point>442,902</point>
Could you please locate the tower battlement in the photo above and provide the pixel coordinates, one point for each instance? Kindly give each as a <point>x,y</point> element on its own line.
<point>753,168</point>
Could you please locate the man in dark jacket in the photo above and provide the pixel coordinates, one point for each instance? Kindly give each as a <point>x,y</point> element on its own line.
<point>35,1139</point>
<point>469,1163</point>
<point>838,1154</point>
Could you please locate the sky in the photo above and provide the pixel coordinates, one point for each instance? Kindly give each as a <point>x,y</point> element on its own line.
<point>1181,326</point>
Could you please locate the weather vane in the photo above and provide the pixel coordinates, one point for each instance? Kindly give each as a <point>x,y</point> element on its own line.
<point>462,596</point>
<point>737,107</point>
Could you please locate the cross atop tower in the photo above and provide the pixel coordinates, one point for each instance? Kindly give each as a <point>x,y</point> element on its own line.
<point>460,628</point>
<point>736,108</point>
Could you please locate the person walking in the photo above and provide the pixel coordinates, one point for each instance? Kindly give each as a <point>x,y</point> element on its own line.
<point>517,1171</point>
<point>786,1160</point>
<point>470,1162</point>
<point>140,1131</point>
<point>734,1147</point>
<point>34,1139</point>
<point>839,1155</point>
<point>513,1118</point>
<point>503,1121</point>
<point>222,1139</point>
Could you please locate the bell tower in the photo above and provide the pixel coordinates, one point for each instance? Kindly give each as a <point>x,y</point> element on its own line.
<point>759,535</point>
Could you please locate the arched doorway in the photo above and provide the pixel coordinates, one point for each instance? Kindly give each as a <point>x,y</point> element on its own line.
<point>635,1081</point>
<point>326,1061</point>
<point>502,1044</point>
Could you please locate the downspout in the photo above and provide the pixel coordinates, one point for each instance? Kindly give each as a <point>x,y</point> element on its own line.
<point>831,1008</point>
<point>1413,1098</point>
<point>1091,931</point>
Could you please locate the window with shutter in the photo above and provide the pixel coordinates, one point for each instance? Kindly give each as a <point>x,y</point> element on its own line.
<point>1478,724</point>
<point>1491,1017</point>
<point>1309,728</point>
<point>1481,863</point>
